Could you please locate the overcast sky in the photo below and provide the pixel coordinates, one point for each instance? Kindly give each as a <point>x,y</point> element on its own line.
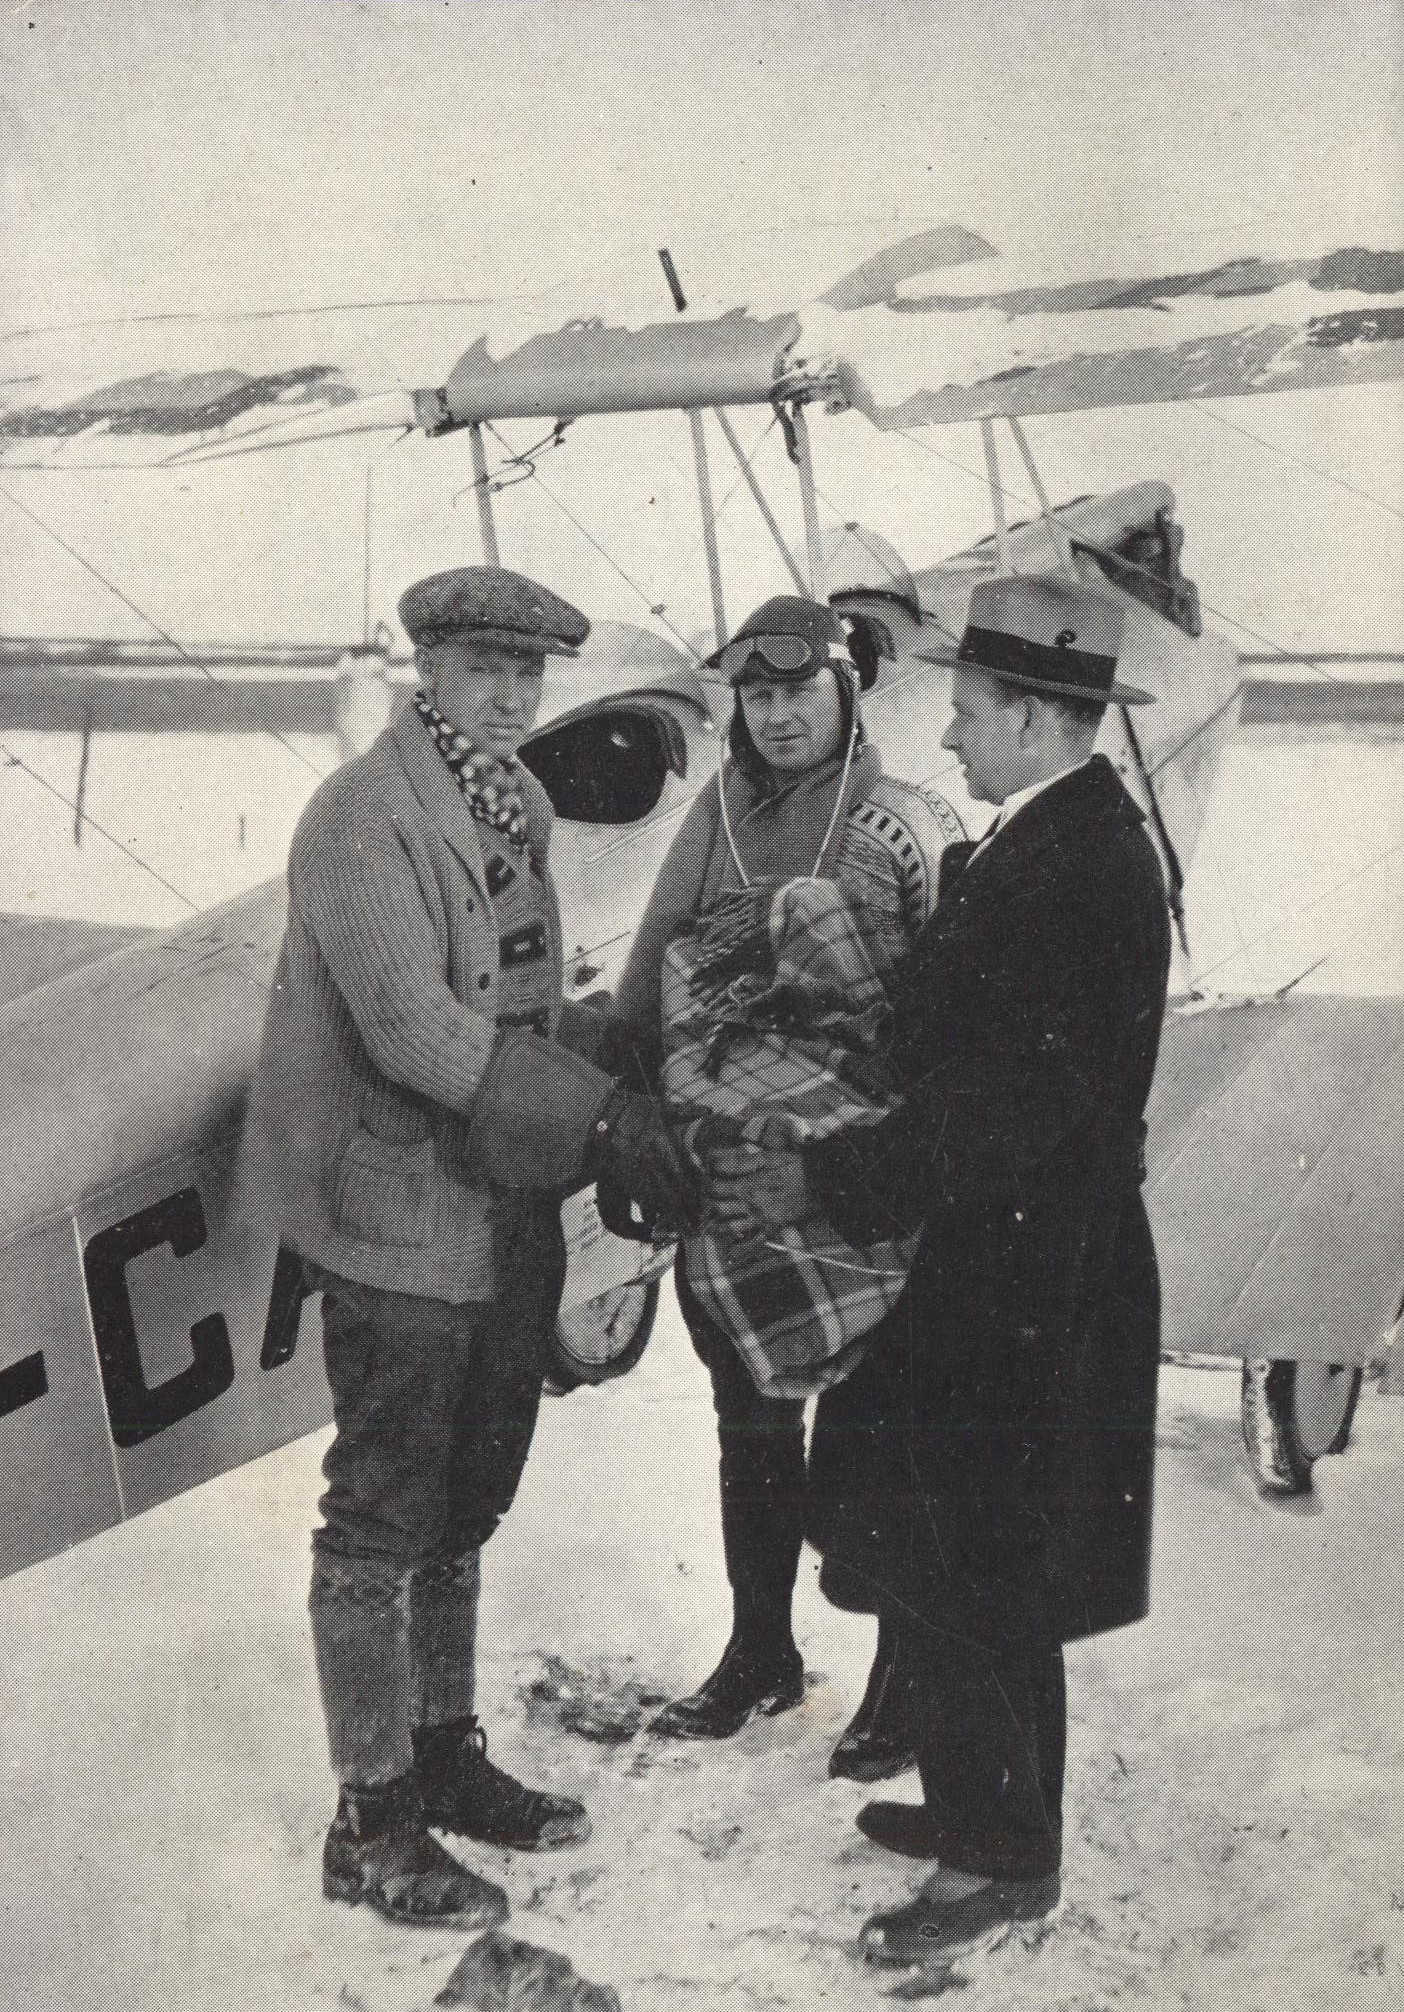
<point>167,156</point>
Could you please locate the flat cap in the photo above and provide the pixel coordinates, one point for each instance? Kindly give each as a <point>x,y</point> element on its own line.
<point>489,604</point>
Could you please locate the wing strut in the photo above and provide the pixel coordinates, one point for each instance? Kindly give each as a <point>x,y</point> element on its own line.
<point>486,527</point>
<point>704,476</point>
<point>709,524</point>
<point>1174,872</point>
<point>1062,543</point>
<point>1001,529</point>
<point>767,514</point>
<point>804,461</point>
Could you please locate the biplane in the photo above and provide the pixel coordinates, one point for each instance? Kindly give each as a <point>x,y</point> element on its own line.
<point>152,1333</point>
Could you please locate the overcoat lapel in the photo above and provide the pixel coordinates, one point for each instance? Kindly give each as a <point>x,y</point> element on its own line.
<point>1060,814</point>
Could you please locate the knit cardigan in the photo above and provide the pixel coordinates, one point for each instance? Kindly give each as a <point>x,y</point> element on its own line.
<point>381,1026</point>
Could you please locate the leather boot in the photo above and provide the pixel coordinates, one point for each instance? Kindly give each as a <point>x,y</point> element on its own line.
<point>379,1851</point>
<point>877,1742</point>
<point>463,1792</point>
<point>748,1680</point>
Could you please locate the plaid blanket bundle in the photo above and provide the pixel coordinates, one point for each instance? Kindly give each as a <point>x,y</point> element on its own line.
<point>776,1019</point>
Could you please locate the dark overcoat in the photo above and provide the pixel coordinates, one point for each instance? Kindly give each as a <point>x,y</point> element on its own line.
<point>986,1471</point>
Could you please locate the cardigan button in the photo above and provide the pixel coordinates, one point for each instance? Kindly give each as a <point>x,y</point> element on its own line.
<point>483,981</point>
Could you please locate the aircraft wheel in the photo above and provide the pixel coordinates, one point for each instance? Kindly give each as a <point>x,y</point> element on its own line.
<point>1293,1414</point>
<point>603,1338</point>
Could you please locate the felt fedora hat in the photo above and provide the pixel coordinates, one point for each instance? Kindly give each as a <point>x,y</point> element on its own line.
<point>1047,633</point>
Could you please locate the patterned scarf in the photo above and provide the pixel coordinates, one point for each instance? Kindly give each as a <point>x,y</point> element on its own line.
<point>491,788</point>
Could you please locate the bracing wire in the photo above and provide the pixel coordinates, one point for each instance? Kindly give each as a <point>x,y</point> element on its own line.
<point>12,760</point>
<point>1128,565</point>
<point>194,318</point>
<point>1297,461</point>
<point>655,608</point>
<point>495,481</point>
<point>1337,887</point>
<point>151,622</point>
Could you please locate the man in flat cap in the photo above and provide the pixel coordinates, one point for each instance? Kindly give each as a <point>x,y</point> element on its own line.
<point>983,1480</point>
<point>424,1099</point>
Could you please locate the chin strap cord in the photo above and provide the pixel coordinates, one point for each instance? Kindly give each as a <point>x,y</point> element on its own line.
<point>844,774</point>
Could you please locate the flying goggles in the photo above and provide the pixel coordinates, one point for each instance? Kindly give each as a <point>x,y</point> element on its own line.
<point>789,659</point>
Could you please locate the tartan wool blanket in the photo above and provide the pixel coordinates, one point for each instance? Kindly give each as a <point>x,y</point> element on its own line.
<point>776,1020</point>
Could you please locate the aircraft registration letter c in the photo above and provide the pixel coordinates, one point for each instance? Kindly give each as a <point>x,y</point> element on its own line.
<point>137,1411</point>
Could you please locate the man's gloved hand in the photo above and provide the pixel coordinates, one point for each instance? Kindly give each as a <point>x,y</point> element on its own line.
<point>633,1058</point>
<point>641,1166</point>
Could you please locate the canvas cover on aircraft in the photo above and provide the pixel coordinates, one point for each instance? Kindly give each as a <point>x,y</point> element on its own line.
<point>934,329</point>
<point>1277,1186</point>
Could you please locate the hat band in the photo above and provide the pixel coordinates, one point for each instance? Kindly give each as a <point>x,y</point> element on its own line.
<point>1031,663</point>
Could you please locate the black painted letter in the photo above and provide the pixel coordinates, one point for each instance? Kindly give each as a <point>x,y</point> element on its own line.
<point>136,1412</point>
<point>22,1382</point>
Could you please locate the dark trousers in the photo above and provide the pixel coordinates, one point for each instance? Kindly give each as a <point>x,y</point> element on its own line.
<point>991,1746</point>
<point>762,1473</point>
<point>435,1406</point>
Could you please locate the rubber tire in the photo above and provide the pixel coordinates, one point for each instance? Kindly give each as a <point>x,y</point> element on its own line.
<point>1296,1428</point>
<point>1324,1397</point>
<point>567,1370</point>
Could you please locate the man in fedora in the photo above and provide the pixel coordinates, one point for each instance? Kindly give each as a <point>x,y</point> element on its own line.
<point>983,1480</point>
<point>422,1101</point>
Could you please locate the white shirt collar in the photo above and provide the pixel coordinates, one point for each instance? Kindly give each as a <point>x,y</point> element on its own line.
<point>1017,799</point>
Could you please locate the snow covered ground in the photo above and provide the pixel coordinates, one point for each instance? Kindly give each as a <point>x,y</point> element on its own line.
<point>1236,1776</point>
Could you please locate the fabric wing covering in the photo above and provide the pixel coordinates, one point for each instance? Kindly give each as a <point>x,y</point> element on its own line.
<point>931,330</point>
<point>1277,1187</point>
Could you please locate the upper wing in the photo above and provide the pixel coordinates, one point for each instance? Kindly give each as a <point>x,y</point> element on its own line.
<point>156,389</point>
<point>895,337</point>
<point>1277,1177</point>
<point>141,393</point>
<point>1015,342</point>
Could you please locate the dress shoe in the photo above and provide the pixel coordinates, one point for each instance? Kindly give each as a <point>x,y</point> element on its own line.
<point>744,1683</point>
<point>908,1827</point>
<point>948,1914</point>
<point>465,1793</point>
